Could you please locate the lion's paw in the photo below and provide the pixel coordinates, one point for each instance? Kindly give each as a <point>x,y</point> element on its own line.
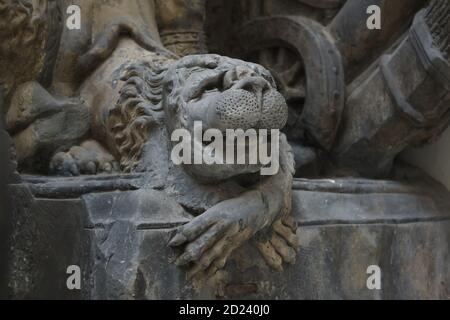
<point>88,159</point>
<point>280,244</point>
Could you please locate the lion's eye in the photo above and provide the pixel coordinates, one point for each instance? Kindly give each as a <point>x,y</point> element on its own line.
<point>213,85</point>
<point>208,91</point>
<point>211,90</point>
<point>207,82</point>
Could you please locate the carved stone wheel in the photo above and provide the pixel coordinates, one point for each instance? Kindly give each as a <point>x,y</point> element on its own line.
<point>288,70</point>
<point>308,68</point>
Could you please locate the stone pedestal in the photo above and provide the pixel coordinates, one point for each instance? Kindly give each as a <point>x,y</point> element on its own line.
<point>119,240</point>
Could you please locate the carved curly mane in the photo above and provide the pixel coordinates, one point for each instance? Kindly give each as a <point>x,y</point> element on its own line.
<point>138,109</point>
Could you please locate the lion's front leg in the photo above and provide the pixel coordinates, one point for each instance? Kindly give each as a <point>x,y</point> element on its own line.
<point>278,243</point>
<point>211,238</point>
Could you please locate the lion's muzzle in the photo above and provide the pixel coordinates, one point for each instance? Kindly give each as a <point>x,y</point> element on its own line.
<point>250,103</point>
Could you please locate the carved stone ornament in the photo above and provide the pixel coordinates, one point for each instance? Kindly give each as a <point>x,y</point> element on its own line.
<point>205,149</point>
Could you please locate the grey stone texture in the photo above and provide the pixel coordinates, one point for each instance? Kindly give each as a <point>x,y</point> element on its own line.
<point>90,181</point>
<point>120,241</point>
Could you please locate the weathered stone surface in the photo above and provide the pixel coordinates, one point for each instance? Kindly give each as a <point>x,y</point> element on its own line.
<point>359,45</point>
<point>121,238</point>
<point>8,161</point>
<point>4,203</point>
<point>406,98</point>
<point>30,33</point>
<point>48,236</point>
<point>181,26</point>
<point>42,124</point>
<point>105,100</point>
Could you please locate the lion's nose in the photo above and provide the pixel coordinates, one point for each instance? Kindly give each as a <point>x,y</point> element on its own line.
<point>234,109</point>
<point>241,109</point>
<point>248,102</point>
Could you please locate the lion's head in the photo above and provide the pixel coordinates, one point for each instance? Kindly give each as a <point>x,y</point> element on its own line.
<point>220,92</point>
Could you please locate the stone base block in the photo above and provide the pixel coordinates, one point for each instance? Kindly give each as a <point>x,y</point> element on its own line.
<point>119,241</point>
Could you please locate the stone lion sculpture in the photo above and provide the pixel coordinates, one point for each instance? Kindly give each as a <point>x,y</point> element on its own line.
<point>154,98</point>
<point>132,104</point>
